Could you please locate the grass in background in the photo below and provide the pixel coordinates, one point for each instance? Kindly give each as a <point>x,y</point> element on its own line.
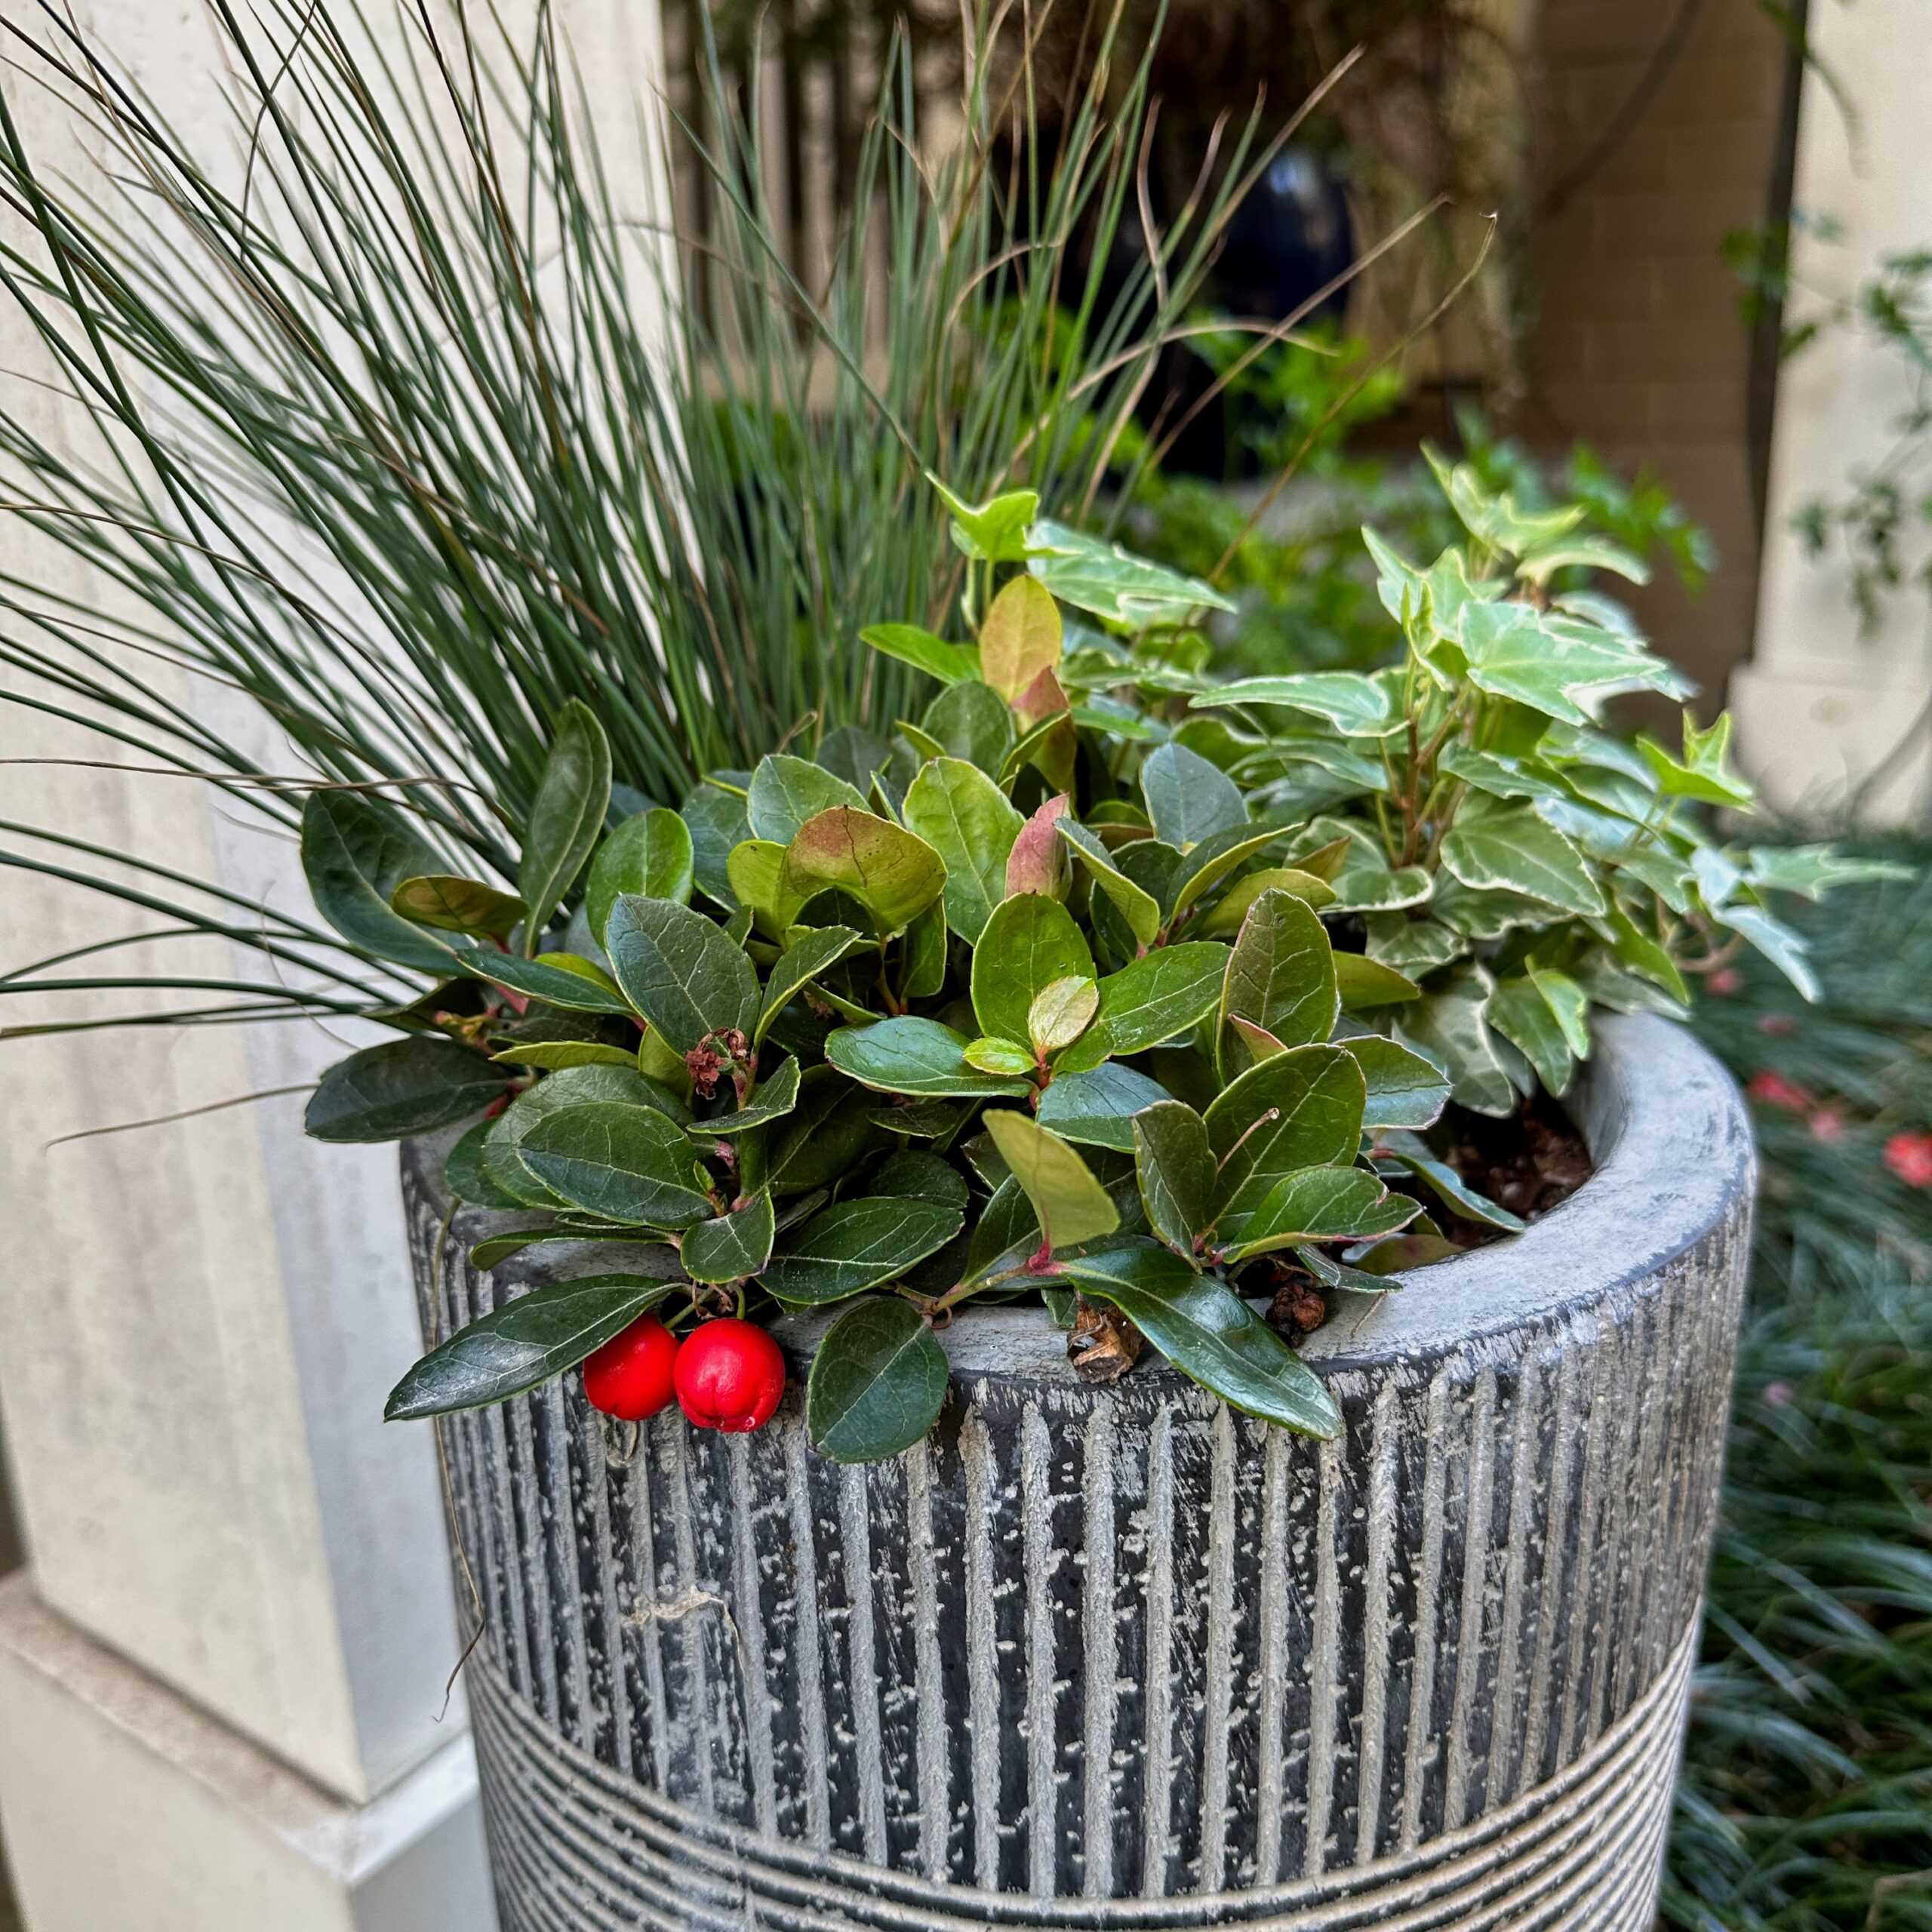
<point>1806,1796</point>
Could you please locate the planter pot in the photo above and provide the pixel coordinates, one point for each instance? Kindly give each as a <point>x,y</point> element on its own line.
<point>1118,1657</point>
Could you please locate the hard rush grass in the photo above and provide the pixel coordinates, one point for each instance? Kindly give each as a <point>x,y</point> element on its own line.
<point>1806,1801</point>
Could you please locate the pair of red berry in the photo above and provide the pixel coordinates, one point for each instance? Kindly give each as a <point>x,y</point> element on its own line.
<point>726,1374</point>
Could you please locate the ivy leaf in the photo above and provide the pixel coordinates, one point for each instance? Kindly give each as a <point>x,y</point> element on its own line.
<point>1450,1026</point>
<point>573,801</point>
<point>732,1246</point>
<point>1412,946</point>
<point>1190,799</point>
<point>1704,772</point>
<point>1510,847</point>
<point>1779,943</point>
<point>817,952</point>
<point>773,1100</point>
<point>1517,1010</point>
<point>1589,553</point>
<point>1281,974</point>
<point>1320,1204</point>
<point>786,791</point>
<point>716,820</point>
<point>1112,584</point>
<point>1334,1273</point>
<point>911,1055</point>
<point>559,979</point>
<point>973,721</point>
<point>355,854</point>
<point>1356,705</point>
<point>627,1163</point>
<point>534,1337</point>
<point>857,1245</point>
<point>877,1384</point>
<point>1072,1205</point>
<point>894,875</point>
<point>972,824</point>
<point>1404,1089</point>
<point>1409,1152</point>
<point>1174,1167</point>
<point>1363,983</point>
<point>402,1087</point>
<point>1516,652</point>
<point>1096,1107</point>
<point>1020,638</point>
<point>1028,943</point>
<point>651,854</point>
<point>1209,1334</point>
<point>1139,908</point>
<point>680,970</point>
<point>1812,871</point>
<point>457,905</point>
<point>1301,1109</point>
<point>950,664</point>
<point>997,529</point>
<point>1152,999</point>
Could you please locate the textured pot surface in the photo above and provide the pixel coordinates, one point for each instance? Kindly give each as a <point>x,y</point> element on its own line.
<point>1117,1657</point>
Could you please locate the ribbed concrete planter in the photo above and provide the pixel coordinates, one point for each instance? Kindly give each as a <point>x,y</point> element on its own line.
<point>1119,1657</point>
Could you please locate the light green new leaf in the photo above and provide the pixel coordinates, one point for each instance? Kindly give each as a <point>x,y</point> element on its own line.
<point>572,802</point>
<point>553,1055</point>
<point>457,905</point>
<point>1209,1334</point>
<point>1704,771</point>
<point>912,1055</point>
<point>1020,638</point>
<point>680,970</point>
<point>758,880</point>
<point>1227,914</point>
<point>857,1245</point>
<point>996,530</point>
<point>1061,1013</point>
<point>1364,982</point>
<point>950,664</point>
<point>972,824</point>
<point>877,1384</point>
<point>1072,1205</point>
<point>651,854</point>
<point>894,875</point>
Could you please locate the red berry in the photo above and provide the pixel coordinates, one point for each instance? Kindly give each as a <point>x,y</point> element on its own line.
<point>730,1375</point>
<point>630,1377</point>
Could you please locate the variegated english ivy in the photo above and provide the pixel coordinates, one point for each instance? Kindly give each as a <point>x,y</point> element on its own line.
<point>1097,984</point>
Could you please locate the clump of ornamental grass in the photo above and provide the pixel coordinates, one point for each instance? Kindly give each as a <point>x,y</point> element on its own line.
<point>1067,990</point>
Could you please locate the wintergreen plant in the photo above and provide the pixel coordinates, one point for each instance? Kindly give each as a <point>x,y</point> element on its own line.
<point>1040,994</point>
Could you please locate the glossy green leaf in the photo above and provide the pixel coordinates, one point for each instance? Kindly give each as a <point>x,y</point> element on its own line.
<point>1518,1012</point>
<point>680,970</point>
<point>1096,1107</point>
<point>1216,859</point>
<point>533,1338</point>
<point>464,1173</point>
<point>559,979</point>
<point>1320,1204</point>
<point>1510,848</point>
<point>620,1163</point>
<point>1028,942</point>
<point>816,951</point>
<point>772,1100</point>
<point>996,530</point>
<point>827,1133</point>
<point>732,1246</point>
<point>1061,1012</point>
<point>1447,1183</point>
<point>355,854</point>
<point>573,800</point>
<point>1281,974</point>
<point>757,871</point>
<point>1209,1334</point>
<point>1072,1205</point>
<point>877,1384</point>
<point>717,822</point>
<point>1356,705</point>
<point>1152,999</point>
<point>550,1055</point>
<point>786,791</point>
<point>1020,638</point>
<point>950,664</point>
<point>1111,583</point>
<point>1137,906</point>
<point>912,1055</point>
<point>402,1087</point>
<point>1301,1109</point>
<point>1006,1058</point>
<point>1189,799</point>
<point>1334,1273</point>
<point>1363,983</point>
<point>857,1245</point>
<point>452,905</point>
<point>973,721</point>
<point>503,1153</point>
<point>919,1176</point>
<point>1224,919</point>
<point>1174,1168</point>
<point>972,824</point>
<point>1404,1089</point>
<point>923,954</point>
<point>651,854</point>
<point>891,872</point>
<point>1516,652</point>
